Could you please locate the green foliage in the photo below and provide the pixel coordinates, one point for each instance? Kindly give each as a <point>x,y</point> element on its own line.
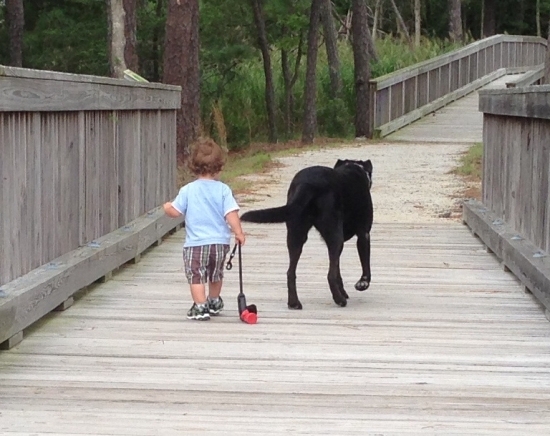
<point>243,97</point>
<point>66,36</point>
<point>151,17</point>
<point>71,36</point>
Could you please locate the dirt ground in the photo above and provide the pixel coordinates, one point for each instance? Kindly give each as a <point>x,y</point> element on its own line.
<point>412,183</point>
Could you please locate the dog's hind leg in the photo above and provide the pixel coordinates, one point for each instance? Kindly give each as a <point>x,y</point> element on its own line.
<point>296,238</point>
<point>363,249</point>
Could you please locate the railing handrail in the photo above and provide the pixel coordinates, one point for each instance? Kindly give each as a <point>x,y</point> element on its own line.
<point>441,60</point>
<point>402,97</point>
<point>28,73</point>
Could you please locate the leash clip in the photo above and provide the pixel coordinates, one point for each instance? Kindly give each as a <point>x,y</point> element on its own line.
<point>229,265</point>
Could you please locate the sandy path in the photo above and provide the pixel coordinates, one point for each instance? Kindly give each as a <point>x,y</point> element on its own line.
<point>411,182</point>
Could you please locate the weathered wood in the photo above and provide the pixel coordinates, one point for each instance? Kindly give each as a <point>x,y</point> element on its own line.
<point>106,277</point>
<point>529,101</point>
<point>84,173</point>
<point>443,342</point>
<point>521,256</point>
<point>30,297</point>
<point>528,79</point>
<point>416,114</point>
<point>405,95</point>
<point>65,305</point>
<point>34,90</point>
<point>9,343</point>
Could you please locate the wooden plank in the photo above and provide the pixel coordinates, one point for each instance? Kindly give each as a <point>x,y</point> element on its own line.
<point>4,174</point>
<point>130,184</point>
<point>29,73</point>
<point>528,101</point>
<point>37,94</point>
<point>422,349</point>
<point>439,61</point>
<point>400,122</point>
<point>527,79</point>
<point>519,255</point>
<point>32,296</point>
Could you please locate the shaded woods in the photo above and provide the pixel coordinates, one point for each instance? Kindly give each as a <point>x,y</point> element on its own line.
<point>255,70</point>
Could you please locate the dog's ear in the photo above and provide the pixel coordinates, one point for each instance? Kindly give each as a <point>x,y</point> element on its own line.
<point>368,166</point>
<point>339,163</point>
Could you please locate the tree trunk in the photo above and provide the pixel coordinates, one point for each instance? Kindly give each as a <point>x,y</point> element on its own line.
<point>15,16</point>
<point>156,43</point>
<point>489,18</point>
<point>181,67</point>
<point>117,40</point>
<point>537,18</point>
<point>289,81</point>
<point>332,50</point>
<point>401,24</point>
<point>269,85</point>
<point>376,19</point>
<point>360,36</point>
<point>455,20</point>
<point>310,107</point>
<point>130,27</point>
<point>417,23</point>
<point>547,60</point>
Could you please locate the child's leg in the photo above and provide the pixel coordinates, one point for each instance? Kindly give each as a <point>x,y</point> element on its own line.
<point>216,262</point>
<point>195,260</point>
<point>198,293</point>
<point>214,289</point>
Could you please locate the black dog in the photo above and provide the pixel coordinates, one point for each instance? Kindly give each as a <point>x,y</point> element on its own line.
<point>337,202</point>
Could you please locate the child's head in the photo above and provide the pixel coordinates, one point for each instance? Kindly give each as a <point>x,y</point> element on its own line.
<point>207,157</point>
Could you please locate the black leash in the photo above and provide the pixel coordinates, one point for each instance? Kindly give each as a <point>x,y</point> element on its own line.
<point>229,265</point>
<point>247,313</point>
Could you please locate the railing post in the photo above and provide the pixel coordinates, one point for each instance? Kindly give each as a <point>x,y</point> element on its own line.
<point>372,109</point>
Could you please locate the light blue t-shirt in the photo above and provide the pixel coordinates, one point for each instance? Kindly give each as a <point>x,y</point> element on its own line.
<point>205,203</point>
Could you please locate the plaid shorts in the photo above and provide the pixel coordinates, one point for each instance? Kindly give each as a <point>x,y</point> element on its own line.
<point>204,263</point>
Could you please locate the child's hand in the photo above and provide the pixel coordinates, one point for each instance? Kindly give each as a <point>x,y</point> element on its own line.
<point>240,238</point>
<point>170,210</point>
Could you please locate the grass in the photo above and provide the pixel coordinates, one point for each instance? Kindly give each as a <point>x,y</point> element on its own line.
<point>471,162</point>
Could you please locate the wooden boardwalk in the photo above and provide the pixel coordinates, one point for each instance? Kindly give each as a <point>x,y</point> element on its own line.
<point>459,122</point>
<point>443,343</point>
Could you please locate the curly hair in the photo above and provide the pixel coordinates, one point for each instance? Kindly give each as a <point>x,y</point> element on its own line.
<point>207,157</point>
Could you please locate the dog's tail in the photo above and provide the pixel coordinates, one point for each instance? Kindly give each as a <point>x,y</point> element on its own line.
<point>280,214</point>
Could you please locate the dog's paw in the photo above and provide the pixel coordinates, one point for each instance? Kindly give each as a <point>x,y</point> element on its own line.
<point>341,302</point>
<point>362,285</point>
<point>295,305</point>
<point>345,294</point>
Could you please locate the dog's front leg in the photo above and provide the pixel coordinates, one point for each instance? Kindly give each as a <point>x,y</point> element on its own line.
<point>363,249</point>
<point>335,283</point>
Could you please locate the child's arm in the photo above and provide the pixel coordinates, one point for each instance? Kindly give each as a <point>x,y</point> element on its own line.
<point>235,223</point>
<point>171,211</point>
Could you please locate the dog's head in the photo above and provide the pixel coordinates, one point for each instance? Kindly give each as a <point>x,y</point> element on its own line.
<point>365,165</point>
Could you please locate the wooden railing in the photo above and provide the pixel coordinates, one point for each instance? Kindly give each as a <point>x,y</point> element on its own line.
<point>406,95</point>
<point>513,219</point>
<point>84,164</point>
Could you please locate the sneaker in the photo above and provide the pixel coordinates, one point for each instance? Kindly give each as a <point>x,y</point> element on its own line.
<point>215,307</point>
<point>199,313</point>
